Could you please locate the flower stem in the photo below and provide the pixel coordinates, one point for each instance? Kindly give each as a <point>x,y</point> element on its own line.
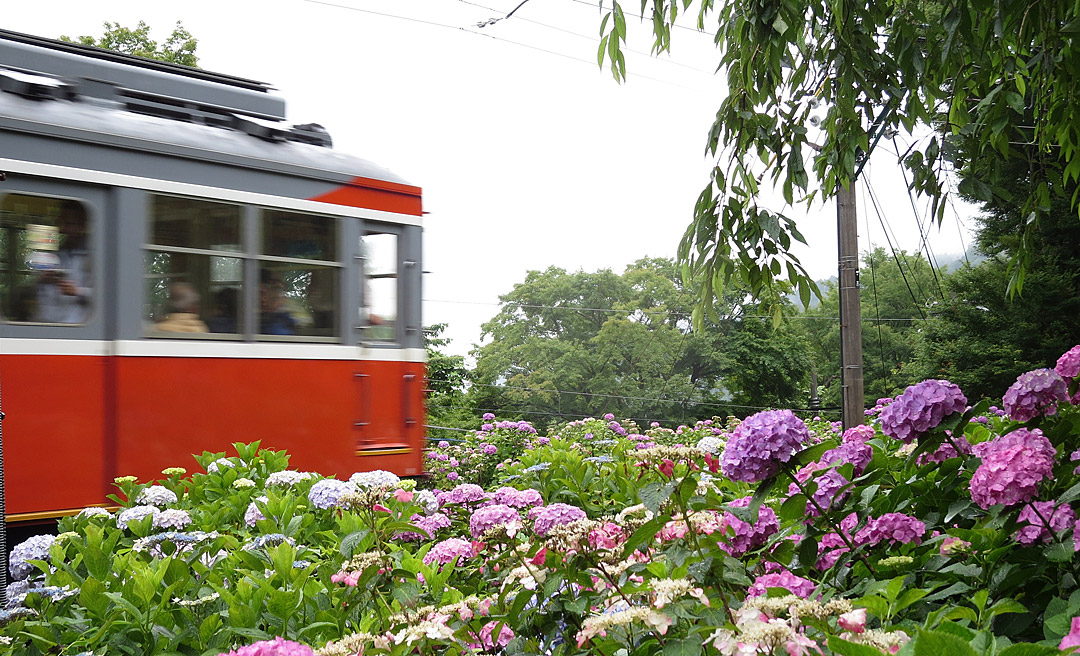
<point>834,525</point>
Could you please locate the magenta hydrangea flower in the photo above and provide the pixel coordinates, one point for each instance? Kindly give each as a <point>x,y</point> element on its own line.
<point>464,493</point>
<point>860,433</point>
<point>827,487</point>
<point>557,514</point>
<point>1060,517</point>
<point>1068,367</point>
<point>857,453</point>
<point>796,585</point>
<point>515,498</point>
<point>428,525</point>
<point>761,444</point>
<point>946,450</point>
<point>1012,468</point>
<point>894,528</point>
<point>448,551</point>
<point>741,536</point>
<point>832,545</point>
<point>489,642</point>
<point>276,647</point>
<point>1033,394</point>
<point>489,517</point>
<point>921,408</point>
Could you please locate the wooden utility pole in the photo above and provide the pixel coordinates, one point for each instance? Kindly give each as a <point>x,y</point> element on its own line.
<point>850,315</point>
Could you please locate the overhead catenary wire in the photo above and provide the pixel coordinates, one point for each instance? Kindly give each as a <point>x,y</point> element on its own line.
<point>923,234</point>
<point>896,258</point>
<point>468,30</point>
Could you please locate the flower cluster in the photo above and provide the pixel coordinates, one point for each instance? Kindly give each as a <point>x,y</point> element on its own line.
<point>1035,393</point>
<point>1037,515</point>
<point>287,478</point>
<point>134,513</point>
<point>894,528</point>
<point>449,551</point>
<point>547,517</point>
<point>156,495</point>
<point>1068,367</point>
<point>741,536</point>
<point>921,408</point>
<point>276,647</point>
<point>33,548</point>
<point>375,479</point>
<point>327,492</point>
<point>1012,468</point>
<point>494,516</point>
<point>515,498</point>
<point>796,585</point>
<point>761,444</point>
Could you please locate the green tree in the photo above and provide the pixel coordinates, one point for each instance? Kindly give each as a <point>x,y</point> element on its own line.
<point>981,339</point>
<point>981,75</point>
<point>896,296</point>
<point>577,344</point>
<point>447,374</point>
<point>179,48</point>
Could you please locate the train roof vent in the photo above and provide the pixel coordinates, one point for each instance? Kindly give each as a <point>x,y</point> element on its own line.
<point>38,87</point>
<point>311,133</point>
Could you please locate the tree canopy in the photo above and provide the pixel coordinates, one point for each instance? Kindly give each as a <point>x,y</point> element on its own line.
<point>179,48</point>
<point>991,81</point>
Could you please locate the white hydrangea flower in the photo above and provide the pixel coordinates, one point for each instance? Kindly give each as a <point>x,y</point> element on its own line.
<point>286,478</point>
<point>156,495</point>
<point>372,479</point>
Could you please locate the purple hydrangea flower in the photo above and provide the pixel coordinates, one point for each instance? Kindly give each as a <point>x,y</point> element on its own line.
<point>857,453</point>
<point>741,536</point>
<point>946,450</point>
<point>1060,517</point>
<point>1033,394</point>
<point>920,408</point>
<point>489,517</point>
<point>1068,367</point>
<point>327,492</point>
<point>554,515</point>
<point>489,449</point>
<point>134,513</point>
<point>761,443</point>
<point>253,515</point>
<point>488,416</point>
<point>796,585</point>
<point>429,525</point>
<point>1012,468</point>
<point>172,518</point>
<point>609,417</point>
<point>860,433</point>
<point>448,551</point>
<point>33,548</point>
<point>829,482</point>
<point>894,528</point>
<point>464,493</point>
<point>517,498</point>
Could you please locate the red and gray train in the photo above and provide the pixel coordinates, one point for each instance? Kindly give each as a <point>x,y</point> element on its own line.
<point>181,269</point>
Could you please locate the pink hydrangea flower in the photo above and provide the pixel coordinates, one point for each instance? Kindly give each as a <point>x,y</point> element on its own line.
<point>489,517</point>
<point>1060,517</point>
<point>488,642</point>
<point>1034,393</point>
<point>608,535</point>
<point>828,487</point>
<point>1012,468</point>
<point>895,528</point>
<point>464,493</point>
<point>556,514</point>
<point>276,647</point>
<point>449,551</point>
<point>854,621</point>
<point>796,585</point>
<point>1072,638</point>
<point>1068,367</point>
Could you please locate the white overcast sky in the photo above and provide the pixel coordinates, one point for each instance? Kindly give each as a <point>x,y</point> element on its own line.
<point>529,155</point>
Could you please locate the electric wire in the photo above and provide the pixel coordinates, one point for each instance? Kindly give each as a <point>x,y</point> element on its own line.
<point>903,274</point>
<point>886,386</point>
<point>923,234</point>
<point>458,28</point>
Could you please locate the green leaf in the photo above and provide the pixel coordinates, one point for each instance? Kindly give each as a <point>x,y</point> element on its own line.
<point>1028,649</point>
<point>687,647</point>
<point>937,643</point>
<point>842,647</point>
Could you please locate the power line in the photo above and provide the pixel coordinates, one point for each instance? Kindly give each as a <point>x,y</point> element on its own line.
<point>646,312</point>
<point>489,36</point>
<point>881,219</point>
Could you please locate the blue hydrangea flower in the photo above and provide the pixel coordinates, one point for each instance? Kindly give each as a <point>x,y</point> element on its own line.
<point>327,492</point>
<point>33,548</point>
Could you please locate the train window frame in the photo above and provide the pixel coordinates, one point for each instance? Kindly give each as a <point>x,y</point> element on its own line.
<point>396,339</point>
<point>336,231</point>
<point>238,252</point>
<point>92,269</point>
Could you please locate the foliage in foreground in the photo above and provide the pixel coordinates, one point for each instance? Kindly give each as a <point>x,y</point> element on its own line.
<point>940,528</point>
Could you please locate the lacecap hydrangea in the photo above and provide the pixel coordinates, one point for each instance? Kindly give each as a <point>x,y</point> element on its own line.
<point>921,408</point>
<point>761,444</point>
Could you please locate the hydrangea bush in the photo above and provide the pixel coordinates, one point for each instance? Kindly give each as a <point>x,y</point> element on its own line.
<point>937,528</point>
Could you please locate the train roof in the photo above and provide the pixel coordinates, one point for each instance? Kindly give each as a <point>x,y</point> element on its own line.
<point>86,94</point>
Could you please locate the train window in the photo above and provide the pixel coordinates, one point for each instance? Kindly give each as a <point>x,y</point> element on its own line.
<point>378,312</point>
<point>45,263</point>
<point>298,275</point>
<point>194,268</point>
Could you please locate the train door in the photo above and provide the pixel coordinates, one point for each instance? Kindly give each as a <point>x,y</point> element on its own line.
<point>53,344</point>
<point>388,409</point>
